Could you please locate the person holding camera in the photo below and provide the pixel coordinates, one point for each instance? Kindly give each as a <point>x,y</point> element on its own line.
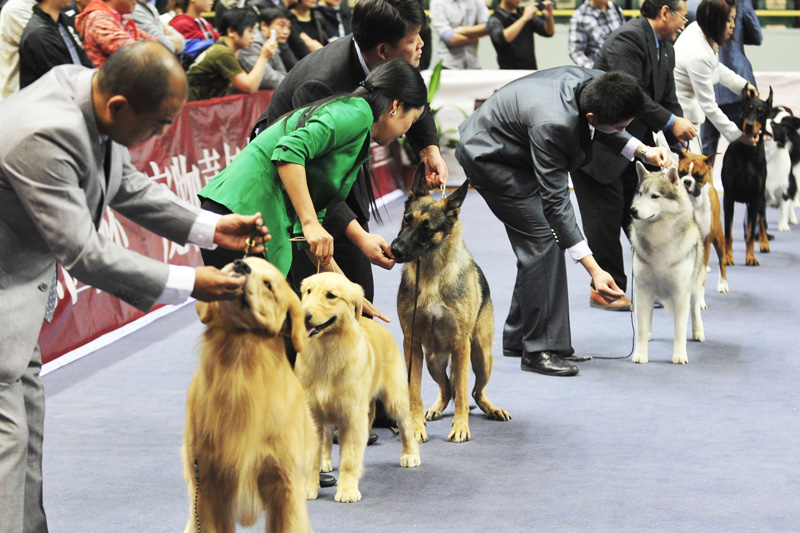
<point>589,27</point>
<point>511,30</point>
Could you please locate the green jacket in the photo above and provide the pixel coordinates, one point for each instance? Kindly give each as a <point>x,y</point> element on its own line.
<point>332,146</point>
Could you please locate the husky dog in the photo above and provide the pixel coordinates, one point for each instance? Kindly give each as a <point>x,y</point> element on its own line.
<point>444,307</point>
<point>667,259</point>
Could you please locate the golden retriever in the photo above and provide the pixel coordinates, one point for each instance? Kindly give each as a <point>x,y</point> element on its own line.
<point>349,361</point>
<point>250,442</point>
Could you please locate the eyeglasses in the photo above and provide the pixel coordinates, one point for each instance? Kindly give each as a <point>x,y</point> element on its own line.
<point>681,15</point>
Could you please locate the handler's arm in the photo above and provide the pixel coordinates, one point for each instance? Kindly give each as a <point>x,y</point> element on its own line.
<point>293,177</point>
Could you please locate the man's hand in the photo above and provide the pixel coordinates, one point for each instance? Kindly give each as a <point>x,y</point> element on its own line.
<point>233,231</point>
<point>269,49</point>
<point>210,284</point>
<point>683,129</point>
<point>605,285</point>
<point>436,172</point>
<point>529,12</point>
<point>376,249</point>
<point>658,156</point>
<point>548,8</point>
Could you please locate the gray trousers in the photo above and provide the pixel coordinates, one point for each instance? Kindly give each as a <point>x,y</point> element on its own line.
<point>21,432</point>
<point>539,315</point>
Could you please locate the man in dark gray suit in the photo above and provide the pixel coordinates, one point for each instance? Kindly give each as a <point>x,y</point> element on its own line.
<point>64,161</point>
<point>517,150</point>
<point>642,47</point>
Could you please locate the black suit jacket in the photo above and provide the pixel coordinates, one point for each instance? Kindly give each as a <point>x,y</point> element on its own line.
<point>331,70</point>
<point>632,48</point>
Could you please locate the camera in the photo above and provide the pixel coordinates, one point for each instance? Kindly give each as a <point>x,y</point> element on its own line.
<point>540,6</point>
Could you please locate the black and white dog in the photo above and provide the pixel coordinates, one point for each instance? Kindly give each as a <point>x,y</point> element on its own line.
<point>783,165</point>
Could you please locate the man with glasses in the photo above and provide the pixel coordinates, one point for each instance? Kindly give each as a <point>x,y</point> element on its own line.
<point>642,47</point>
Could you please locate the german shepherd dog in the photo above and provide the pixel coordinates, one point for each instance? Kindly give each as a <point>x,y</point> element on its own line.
<point>744,177</point>
<point>667,259</point>
<point>696,172</point>
<point>444,307</point>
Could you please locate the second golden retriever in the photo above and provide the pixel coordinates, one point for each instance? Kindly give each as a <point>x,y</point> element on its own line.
<point>250,443</point>
<point>349,361</point>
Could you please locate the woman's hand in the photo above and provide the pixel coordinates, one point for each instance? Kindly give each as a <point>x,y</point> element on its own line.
<point>319,240</point>
<point>749,140</point>
<point>752,92</point>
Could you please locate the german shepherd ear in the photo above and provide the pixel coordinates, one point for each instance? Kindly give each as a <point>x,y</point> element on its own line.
<point>454,201</point>
<point>296,318</point>
<point>640,170</point>
<point>206,311</point>
<point>419,185</point>
<point>672,175</point>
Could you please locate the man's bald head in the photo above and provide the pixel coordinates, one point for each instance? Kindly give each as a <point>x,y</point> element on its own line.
<point>146,73</point>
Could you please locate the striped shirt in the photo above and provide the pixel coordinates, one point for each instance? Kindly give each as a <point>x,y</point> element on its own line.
<point>588,29</point>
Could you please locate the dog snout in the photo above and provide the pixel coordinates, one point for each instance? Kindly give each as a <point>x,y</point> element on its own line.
<point>634,212</point>
<point>398,251</point>
<point>240,267</point>
<point>309,325</point>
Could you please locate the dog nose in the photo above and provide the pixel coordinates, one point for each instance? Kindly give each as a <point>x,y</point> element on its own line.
<point>241,267</point>
<point>308,319</point>
<point>634,212</point>
<point>397,250</point>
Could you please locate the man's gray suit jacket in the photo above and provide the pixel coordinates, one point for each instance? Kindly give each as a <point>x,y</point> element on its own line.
<point>57,176</point>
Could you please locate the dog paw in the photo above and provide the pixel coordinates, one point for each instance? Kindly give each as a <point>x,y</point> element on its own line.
<point>699,335</point>
<point>421,434</point>
<point>764,248</point>
<point>793,220</point>
<point>752,262</point>
<point>722,285</point>
<point>326,465</point>
<point>459,434</point>
<point>432,414</point>
<point>410,460</point>
<point>498,414</point>
<point>729,261</point>
<point>703,304</point>
<point>639,358</point>
<point>680,358</point>
<point>312,492</point>
<point>350,495</point>
<point>783,226</point>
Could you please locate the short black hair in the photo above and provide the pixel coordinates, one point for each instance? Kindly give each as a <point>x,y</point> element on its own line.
<point>141,72</point>
<point>651,8</point>
<point>385,21</point>
<point>612,97</point>
<point>267,15</point>
<point>712,17</point>
<point>237,19</point>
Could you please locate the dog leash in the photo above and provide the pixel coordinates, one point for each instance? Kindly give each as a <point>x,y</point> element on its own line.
<point>196,493</point>
<point>251,242</point>
<point>413,319</point>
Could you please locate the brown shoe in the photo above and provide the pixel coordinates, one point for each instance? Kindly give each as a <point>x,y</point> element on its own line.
<point>597,301</point>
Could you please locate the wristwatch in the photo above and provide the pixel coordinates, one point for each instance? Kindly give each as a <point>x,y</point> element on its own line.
<point>643,155</point>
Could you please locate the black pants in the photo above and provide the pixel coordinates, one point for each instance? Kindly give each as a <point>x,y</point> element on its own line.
<point>219,257</point>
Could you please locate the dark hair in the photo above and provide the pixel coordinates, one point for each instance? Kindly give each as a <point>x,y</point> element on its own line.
<point>651,8</point>
<point>712,17</point>
<point>237,19</point>
<point>612,97</point>
<point>385,21</point>
<point>267,15</point>
<point>141,72</point>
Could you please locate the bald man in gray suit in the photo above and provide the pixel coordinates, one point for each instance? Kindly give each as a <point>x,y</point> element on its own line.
<point>517,150</point>
<point>64,161</point>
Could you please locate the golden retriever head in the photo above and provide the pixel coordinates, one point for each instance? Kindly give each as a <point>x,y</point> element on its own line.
<point>329,301</point>
<point>268,303</point>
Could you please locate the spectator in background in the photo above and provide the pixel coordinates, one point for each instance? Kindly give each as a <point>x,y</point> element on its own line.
<point>511,30</point>
<point>216,69</point>
<point>197,31</point>
<point>271,18</point>
<point>13,19</point>
<point>296,49</point>
<point>589,27</point>
<point>104,28</point>
<point>309,24</point>
<point>335,17</point>
<point>146,17</point>
<point>459,23</point>
<point>746,31</point>
<point>72,11</point>
<point>47,42</point>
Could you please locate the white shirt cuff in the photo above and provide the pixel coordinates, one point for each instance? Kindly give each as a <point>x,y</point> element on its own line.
<point>180,284</point>
<point>579,251</point>
<point>203,229</point>
<point>630,149</point>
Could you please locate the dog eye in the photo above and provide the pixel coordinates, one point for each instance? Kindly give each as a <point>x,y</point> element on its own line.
<point>654,196</point>
<point>268,285</point>
<point>330,296</point>
<point>408,219</point>
<point>308,291</point>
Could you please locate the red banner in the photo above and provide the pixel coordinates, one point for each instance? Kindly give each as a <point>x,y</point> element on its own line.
<point>200,143</point>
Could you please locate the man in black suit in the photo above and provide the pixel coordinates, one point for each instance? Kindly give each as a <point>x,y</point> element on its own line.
<point>382,30</point>
<point>642,47</point>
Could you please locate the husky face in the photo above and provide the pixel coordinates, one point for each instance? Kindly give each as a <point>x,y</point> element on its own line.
<point>660,195</point>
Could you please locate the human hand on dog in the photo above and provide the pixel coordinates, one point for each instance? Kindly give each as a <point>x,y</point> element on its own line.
<point>658,156</point>
<point>683,129</point>
<point>233,230</point>
<point>436,172</point>
<point>319,240</point>
<point>749,140</point>
<point>375,248</point>
<point>211,284</point>
<point>752,92</point>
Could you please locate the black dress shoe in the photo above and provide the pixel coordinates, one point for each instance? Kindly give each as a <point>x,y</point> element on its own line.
<point>326,480</point>
<point>512,353</point>
<point>548,363</point>
<point>518,353</point>
<point>372,439</point>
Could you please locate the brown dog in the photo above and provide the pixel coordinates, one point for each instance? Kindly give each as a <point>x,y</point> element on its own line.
<point>250,442</point>
<point>349,361</point>
<point>696,171</point>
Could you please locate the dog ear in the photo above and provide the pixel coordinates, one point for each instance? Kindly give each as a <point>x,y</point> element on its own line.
<point>296,316</point>
<point>357,298</point>
<point>769,100</point>
<point>672,175</point>
<point>454,201</point>
<point>419,185</point>
<point>206,311</point>
<point>640,170</point>
<point>682,153</point>
<point>711,158</point>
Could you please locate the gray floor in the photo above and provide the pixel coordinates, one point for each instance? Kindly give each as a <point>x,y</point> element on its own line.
<point>709,446</point>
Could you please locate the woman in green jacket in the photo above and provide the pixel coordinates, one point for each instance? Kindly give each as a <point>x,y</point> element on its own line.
<point>309,159</point>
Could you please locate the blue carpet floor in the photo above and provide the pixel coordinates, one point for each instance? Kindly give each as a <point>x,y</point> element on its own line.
<point>709,446</point>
